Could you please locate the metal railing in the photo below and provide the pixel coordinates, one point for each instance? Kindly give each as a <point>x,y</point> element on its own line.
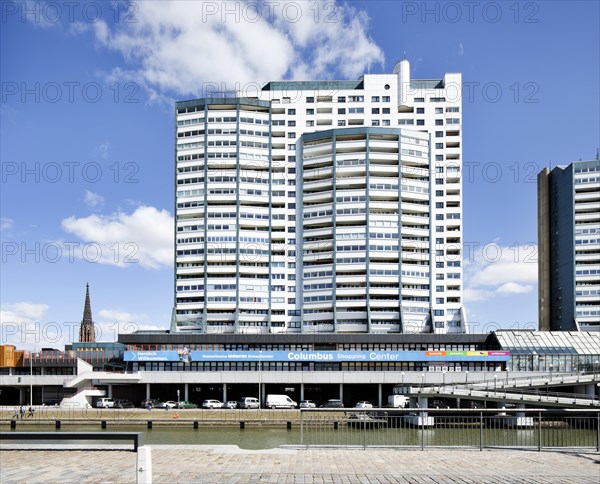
<point>427,428</point>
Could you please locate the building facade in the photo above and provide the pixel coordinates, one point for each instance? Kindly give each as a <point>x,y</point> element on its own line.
<point>315,206</point>
<point>569,247</point>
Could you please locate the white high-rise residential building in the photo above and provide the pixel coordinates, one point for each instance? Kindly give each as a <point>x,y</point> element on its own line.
<point>322,206</point>
<point>569,247</point>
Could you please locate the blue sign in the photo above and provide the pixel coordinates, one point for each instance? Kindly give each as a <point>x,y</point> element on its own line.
<point>187,356</point>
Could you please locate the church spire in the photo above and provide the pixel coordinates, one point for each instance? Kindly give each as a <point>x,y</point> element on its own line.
<point>86,330</point>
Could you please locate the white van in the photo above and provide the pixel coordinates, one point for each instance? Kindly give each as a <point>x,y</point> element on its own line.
<point>248,402</point>
<point>280,401</point>
<point>105,403</point>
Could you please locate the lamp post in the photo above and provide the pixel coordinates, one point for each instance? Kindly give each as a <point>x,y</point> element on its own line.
<point>30,378</point>
<point>466,377</point>
<point>178,398</point>
<point>402,378</point>
<point>259,379</point>
<point>495,382</point>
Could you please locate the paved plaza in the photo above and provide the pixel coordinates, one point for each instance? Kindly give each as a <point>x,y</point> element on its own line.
<point>229,464</point>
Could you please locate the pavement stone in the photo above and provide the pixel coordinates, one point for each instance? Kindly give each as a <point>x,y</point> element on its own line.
<point>229,464</point>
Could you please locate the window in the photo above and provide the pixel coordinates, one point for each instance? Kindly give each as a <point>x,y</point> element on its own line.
<point>439,181</point>
<point>356,99</point>
<point>439,110</point>
<point>439,122</point>
<point>439,193</point>
<point>453,110</point>
<point>439,288</point>
<point>374,99</point>
<point>439,300</point>
<point>385,122</point>
<point>439,277</point>
<point>356,110</point>
<point>385,110</point>
<point>292,123</point>
<point>439,157</point>
<point>341,122</point>
<point>420,122</point>
<point>375,122</point>
<point>310,99</point>
<point>374,110</point>
<point>439,134</point>
<point>310,123</point>
<point>419,99</point>
<point>341,99</point>
<point>341,110</point>
<point>291,135</point>
<point>292,147</point>
<point>439,240</point>
<point>439,216</point>
<point>310,111</point>
<point>439,228</point>
<point>439,205</point>
<point>291,111</point>
<point>386,99</point>
<point>438,100</point>
<point>420,110</point>
<point>439,146</point>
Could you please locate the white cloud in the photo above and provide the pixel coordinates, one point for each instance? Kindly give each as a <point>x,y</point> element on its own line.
<point>6,223</point>
<point>514,288</point>
<point>22,327</point>
<point>493,270</point>
<point>179,47</point>
<point>101,151</point>
<point>26,312</point>
<point>120,316</point>
<point>93,200</point>
<point>143,236</point>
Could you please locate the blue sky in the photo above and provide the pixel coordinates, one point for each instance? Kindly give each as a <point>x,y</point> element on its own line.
<point>87,133</point>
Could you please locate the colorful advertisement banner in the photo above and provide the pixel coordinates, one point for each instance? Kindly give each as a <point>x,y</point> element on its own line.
<point>188,356</point>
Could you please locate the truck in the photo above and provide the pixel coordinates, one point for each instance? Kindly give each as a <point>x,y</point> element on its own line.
<point>398,401</point>
<point>280,401</point>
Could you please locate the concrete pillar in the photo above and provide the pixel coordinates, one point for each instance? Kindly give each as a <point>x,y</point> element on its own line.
<point>144,465</point>
<point>380,395</point>
<point>423,403</point>
<point>148,390</point>
<point>590,390</point>
<point>301,391</point>
<point>22,396</point>
<point>342,392</point>
<point>186,391</point>
<point>224,392</point>
<point>109,390</point>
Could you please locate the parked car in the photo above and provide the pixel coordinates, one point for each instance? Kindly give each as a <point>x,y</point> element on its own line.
<point>364,404</point>
<point>212,404</point>
<point>307,404</point>
<point>231,404</point>
<point>105,403</point>
<point>185,404</point>
<point>169,404</point>
<point>249,402</point>
<point>150,402</point>
<point>123,403</point>
<point>439,404</point>
<point>51,403</point>
<point>333,403</point>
